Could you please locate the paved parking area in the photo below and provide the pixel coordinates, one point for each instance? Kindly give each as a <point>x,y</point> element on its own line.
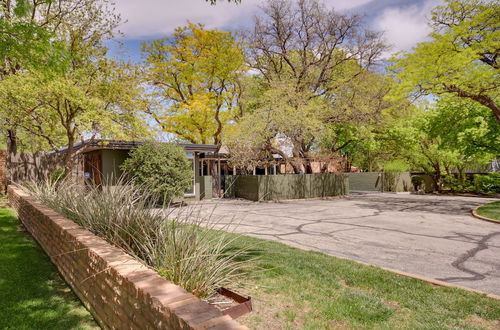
<point>429,235</point>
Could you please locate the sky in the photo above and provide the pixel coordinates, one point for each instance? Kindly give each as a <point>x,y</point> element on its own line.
<point>404,22</point>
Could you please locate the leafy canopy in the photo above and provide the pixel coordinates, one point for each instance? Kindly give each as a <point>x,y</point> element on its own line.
<point>462,57</point>
<point>196,78</point>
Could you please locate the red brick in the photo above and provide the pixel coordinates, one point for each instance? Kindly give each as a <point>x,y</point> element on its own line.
<point>119,290</point>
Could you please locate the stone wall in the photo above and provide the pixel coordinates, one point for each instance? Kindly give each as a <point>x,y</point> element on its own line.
<point>118,290</point>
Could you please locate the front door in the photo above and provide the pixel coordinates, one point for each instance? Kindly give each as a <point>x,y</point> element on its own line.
<point>93,168</point>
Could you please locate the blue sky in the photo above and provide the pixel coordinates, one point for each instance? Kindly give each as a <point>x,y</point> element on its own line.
<point>404,22</point>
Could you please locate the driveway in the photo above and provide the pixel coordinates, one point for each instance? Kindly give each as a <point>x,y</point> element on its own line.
<point>429,235</point>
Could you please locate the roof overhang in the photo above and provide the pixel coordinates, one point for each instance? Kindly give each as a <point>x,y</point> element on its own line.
<point>93,145</point>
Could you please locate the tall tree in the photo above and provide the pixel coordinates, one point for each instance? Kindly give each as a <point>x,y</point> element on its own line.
<point>196,76</point>
<point>309,59</point>
<point>452,134</point>
<point>462,57</point>
<point>91,96</point>
<point>32,34</point>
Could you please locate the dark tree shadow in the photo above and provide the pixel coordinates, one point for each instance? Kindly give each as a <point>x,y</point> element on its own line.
<point>32,293</point>
<point>447,205</point>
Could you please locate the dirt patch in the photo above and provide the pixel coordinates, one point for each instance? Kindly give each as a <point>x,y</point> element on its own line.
<point>392,304</point>
<point>479,322</point>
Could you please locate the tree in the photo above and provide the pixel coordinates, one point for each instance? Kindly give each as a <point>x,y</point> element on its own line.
<point>462,57</point>
<point>196,75</point>
<point>31,38</point>
<point>92,96</point>
<point>162,168</point>
<point>309,60</point>
<point>453,134</point>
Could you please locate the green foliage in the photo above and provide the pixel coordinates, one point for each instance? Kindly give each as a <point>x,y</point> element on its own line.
<point>26,43</point>
<point>488,184</point>
<point>196,73</point>
<point>313,73</point>
<point>491,210</point>
<point>392,173</point>
<point>417,181</point>
<point>83,93</point>
<point>161,167</point>
<point>447,136</point>
<point>461,58</point>
<point>57,175</point>
<point>395,166</point>
<point>456,183</point>
<point>182,246</point>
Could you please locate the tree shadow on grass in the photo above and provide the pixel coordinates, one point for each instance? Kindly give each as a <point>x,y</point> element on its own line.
<point>32,293</point>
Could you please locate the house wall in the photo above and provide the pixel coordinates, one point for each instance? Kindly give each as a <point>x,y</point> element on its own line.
<point>111,162</point>
<point>24,167</point>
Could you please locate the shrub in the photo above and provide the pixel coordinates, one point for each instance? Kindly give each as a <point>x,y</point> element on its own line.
<point>417,182</point>
<point>392,172</point>
<point>455,184</point>
<point>182,246</point>
<point>162,167</point>
<point>57,175</point>
<point>488,184</point>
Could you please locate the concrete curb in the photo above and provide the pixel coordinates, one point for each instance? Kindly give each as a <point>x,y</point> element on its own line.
<point>424,278</point>
<point>475,214</point>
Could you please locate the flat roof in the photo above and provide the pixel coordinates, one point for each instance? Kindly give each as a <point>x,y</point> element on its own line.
<point>92,145</point>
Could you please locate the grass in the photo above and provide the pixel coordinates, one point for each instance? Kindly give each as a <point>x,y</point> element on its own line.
<point>491,210</point>
<point>299,289</point>
<point>32,294</point>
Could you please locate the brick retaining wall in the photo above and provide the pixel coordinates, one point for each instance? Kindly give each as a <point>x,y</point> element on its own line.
<point>118,290</point>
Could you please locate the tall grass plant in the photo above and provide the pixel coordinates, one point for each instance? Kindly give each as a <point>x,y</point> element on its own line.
<point>185,247</point>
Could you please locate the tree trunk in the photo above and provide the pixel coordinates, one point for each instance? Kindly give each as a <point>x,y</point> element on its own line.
<point>307,166</point>
<point>69,156</point>
<point>482,99</point>
<point>11,151</point>
<point>11,141</point>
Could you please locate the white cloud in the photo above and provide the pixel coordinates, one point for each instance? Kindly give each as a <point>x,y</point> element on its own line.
<point>404,27</point>
<point>153,18</point>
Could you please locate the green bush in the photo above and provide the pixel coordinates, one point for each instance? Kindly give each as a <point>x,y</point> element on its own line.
<point>417,182</point>
<point>162,167</point>
<point>392,172</point>
<point>488,184</point>
<point>57,175</point>
<point>456,185</point>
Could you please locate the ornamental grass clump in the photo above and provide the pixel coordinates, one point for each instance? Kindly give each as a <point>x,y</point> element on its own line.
<point>186,248</point>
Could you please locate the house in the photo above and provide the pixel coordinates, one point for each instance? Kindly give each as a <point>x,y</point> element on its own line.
<point>100,161</point>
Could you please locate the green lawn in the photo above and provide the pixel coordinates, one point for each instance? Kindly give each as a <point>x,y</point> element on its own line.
<point>294,289</point>
<point>32,294</point>
<point>491,210</point>
<point>299,289</point>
